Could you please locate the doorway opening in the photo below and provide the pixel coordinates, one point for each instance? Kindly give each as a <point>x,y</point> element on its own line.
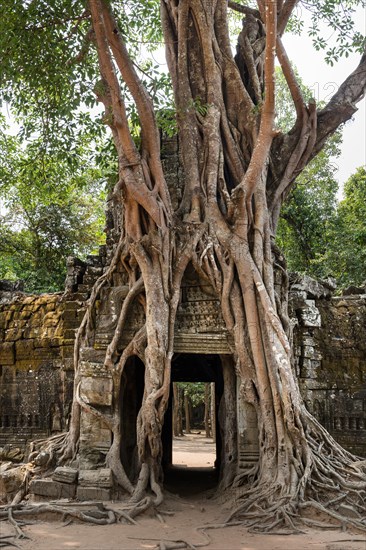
<point>194,424</point>
<point>131,394</point>
<point>191,460</point>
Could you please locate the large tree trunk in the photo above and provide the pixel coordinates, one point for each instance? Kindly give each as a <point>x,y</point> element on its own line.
<point>187,413</point>
<point>207,414</point>
<point>177,411</point>
<point>237,171</point>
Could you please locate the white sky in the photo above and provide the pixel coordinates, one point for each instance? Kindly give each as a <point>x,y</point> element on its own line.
<point>324,80</point>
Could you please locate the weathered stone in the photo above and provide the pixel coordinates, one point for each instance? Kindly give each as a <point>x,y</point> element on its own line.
<point>10,482</point>
<point>4,466</point>
<point>64,474</point>
<point>313,288</point>
<point>51,489</point>
<point>96,478</point>
<point>310,315</point>
<point>13,334</point>
<point>24,349</point>
<point>93,493</point>
<point>67,351</point>
<point>330,358</point>
<point>352,290</point>
<point>97,391</point>
<point>42,458</point>
<point>11,286</point>
<point>95,440</point>
<point>9,452</point>
<point>7,355</point>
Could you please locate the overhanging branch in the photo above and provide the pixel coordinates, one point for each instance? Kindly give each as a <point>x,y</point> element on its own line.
<point>243,9</point>
<point>342,105</point>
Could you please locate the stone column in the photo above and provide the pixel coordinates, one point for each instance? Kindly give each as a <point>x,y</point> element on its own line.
<point>248,442</point>
<point>95,436</point>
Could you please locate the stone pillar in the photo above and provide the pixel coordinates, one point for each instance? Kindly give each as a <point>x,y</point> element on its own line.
<point>95,437</point>
<point>248,442</point>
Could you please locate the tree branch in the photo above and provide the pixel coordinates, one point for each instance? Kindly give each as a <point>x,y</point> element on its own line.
<point>293,151</point>
<point>285,14</point>
<point>291,79</point>
<point>342,105</point>
<point>265,135</point>
<point>243,9</point>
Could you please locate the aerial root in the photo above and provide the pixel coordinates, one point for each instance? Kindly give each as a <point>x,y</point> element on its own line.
<point>16,525</point>
<point>343,520</point>
<point>6,542</point>
<point>95,513</point>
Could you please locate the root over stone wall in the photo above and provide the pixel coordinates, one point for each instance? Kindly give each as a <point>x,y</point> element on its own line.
<point>36,358</point>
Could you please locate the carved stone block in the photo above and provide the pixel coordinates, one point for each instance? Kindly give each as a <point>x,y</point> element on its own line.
<point>51,489</point>
<point>93,493</point>
<point>96,478</point>
<point>97,391</point>
<point>7,356</point>
<point>63,474</point>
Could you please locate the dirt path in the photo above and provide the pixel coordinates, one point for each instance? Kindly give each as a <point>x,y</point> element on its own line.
<point>192,510</point>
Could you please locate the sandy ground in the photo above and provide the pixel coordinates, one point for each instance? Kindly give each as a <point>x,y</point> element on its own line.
<point>193,457</point>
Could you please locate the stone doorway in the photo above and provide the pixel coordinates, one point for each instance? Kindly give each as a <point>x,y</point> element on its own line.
<point>131,394</point>
<point>217,370</point>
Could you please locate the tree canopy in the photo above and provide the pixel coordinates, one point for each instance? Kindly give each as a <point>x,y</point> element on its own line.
<point>49,79</point>
<point>237,170</point>
<point>50,210</point>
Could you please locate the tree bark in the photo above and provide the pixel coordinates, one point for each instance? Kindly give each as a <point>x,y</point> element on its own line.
<point>207,410</point>
<point>187,413</point>
<point>237,171</point>
<point>177,411</point>
<point>213,411</point>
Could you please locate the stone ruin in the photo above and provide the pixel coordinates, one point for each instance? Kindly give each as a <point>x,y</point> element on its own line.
<point>37,336</point>
<point>36,373</point>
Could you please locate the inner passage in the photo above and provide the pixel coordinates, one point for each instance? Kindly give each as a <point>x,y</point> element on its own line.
<point>194,425</point>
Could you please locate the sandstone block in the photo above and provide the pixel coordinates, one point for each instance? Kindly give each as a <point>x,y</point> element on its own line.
<point>51,489</point>
<point>97,391</point>
<point>7,356</point>
<point>63,474</point>
<point>310,315</point>
<point>13,334</point>
<point>24,349</point>
<point>68,333</point>
<point>9,452</point>
<point>45,353</point>
<point>96,478</point>
<point>93,493</point>
<point>67,351</point>
<point>10,482</point>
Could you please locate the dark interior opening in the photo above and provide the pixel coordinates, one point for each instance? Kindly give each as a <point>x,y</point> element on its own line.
<point>188,367</point>
<point>131,394</point>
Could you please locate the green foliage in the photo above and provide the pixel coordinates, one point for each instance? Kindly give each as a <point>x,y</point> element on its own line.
<point>340,18</point>
<point>308,216</point>
<point>48,92</point>
<point>49,211</point>
<point>346,255</point>
<point>285,110</point>
<point>48,72</point>
<point>194,390</point>
<point>320,236</point>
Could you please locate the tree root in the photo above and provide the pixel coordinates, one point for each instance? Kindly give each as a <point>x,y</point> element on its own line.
<point>166,544</point>
<point>95,513</point>
<point>6,542</point>
<point>16,525</point>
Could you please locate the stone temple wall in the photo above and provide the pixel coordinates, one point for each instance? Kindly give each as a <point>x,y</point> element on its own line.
<point>37,335</point>
<point>330,359</point>
<point>36,346</point>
